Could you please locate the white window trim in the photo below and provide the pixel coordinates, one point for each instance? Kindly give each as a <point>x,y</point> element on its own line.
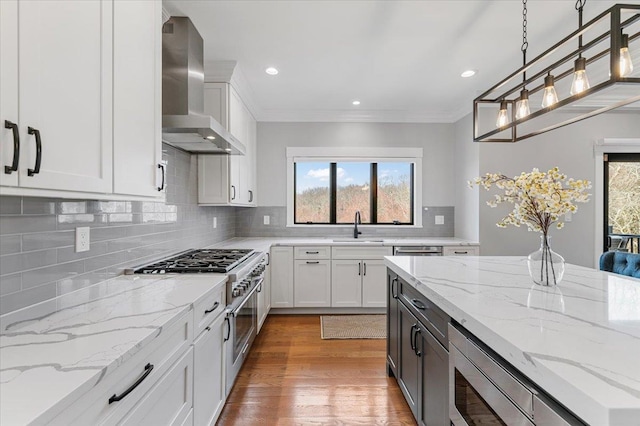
<point>373,154</point>
<point>599,149</point>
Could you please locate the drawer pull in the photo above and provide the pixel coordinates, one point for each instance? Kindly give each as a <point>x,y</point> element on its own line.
<point>164,172</point>
<point>394,288</point>
<point>313,263</point>
<point>418,304</point>
<point>312,252</point>
<point>213,308</point>
<point>147,370</point>
<point>16,147</point>
<point>461,252</point>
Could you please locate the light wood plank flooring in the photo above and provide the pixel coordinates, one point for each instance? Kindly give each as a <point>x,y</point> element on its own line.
<point>293,377</point>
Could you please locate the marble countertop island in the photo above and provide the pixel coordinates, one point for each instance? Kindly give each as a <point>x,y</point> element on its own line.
<point>54,352</point>
<point>579,341</point>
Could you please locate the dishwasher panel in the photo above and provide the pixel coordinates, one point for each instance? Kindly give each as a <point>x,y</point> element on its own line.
<point>417,251</point>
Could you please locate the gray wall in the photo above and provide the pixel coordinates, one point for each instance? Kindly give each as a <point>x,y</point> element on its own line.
<point>436,139</point>
<point>466,166</point>
<point>37,253</point>
<point>571,149</point>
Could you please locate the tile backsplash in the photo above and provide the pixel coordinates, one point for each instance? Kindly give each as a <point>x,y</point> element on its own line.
<point>37,235</point>
<point>250,223</point>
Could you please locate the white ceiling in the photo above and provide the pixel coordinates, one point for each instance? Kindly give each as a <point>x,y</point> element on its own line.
<point>401,59</point>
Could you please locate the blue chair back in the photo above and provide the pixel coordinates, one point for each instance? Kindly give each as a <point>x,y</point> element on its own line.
<point>621,263</point>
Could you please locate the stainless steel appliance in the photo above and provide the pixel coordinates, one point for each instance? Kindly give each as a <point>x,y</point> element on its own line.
<point>417,251</point>
<point>245,270</point>
<point>484,389</point>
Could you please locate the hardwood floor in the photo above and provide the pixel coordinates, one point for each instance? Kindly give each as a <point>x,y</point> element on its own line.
<point>293,377</point>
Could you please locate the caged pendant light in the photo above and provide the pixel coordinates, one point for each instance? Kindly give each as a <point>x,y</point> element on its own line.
<point>568,82</point>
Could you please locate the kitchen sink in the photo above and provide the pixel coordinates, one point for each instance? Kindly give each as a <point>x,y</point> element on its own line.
<point>356,240</point>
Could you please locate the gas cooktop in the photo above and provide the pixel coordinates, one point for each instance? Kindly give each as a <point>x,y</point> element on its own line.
<point>199,260</point>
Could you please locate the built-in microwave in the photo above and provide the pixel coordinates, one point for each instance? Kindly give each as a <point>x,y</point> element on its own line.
<point>486,390</point>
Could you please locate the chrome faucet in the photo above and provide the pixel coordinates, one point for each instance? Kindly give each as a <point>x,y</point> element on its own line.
<point>356,221</point>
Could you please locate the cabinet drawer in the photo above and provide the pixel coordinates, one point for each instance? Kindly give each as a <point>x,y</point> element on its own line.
<point>208,309</point>
<point>94,408</point>
<point>322,252</point>
<point>461,251</point>
<point>427,312</point>
<point>170,400</point>
<point>351,252</point>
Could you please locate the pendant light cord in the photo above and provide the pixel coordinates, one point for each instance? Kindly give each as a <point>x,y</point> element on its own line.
<point>579,7</point>
<point>525,43</point>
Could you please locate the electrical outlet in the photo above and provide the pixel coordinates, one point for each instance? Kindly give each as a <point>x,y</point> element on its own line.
<point>82,239</point>
<point>439,220</point>
<point>266,219</point>
<point>215,222</point>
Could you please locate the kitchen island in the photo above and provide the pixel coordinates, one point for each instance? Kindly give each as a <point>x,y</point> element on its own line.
<point>579,341</point>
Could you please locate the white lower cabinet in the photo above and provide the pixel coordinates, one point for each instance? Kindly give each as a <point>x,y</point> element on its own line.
<point>264,297</point>
<point>461,251</point>
<point>209,378</point>
<point>281,277</point>
<point>358,277</point>
<point>170,400</point>
<point>312,283</point>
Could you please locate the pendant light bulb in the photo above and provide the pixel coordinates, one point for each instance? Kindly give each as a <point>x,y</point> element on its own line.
<point>522,105</point>
<point>626,64</point>
<point>549,96</point>
<point>580,80</point>
<point>503,115</point>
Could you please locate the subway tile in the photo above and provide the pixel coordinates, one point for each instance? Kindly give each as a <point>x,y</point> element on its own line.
<point>10,244</point>
<point>72,207</point>
<point>37,277</point>
<point>31,205</point>
<point>104,261</point>
<point>21,299</point>
<point>108,233</point>
<point>10,283</point>
<point>10,205</point>
<point>80,281</point>
<point>26,224</point>
<point>12,263</point>
<point>45,240</point>
<point>68,254</point>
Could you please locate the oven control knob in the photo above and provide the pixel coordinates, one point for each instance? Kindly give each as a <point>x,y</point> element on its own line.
<point>235,292</point>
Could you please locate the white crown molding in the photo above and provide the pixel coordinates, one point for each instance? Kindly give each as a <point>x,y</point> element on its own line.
<point>165,15</point>
<point>242,86</point>
<point>219,71</point>
<point>231,72</point>
<point>364,116</point>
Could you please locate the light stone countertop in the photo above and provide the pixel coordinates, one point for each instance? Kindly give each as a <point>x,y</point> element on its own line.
<point>263,244</point>
<point>54,352</point>
<point>579,341</point>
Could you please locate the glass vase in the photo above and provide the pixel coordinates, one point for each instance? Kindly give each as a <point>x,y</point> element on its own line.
<point>546,267</point>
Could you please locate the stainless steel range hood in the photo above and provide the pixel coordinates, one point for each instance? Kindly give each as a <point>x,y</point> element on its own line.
<point>184,124</point>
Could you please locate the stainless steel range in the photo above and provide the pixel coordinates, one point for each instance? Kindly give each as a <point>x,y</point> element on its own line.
<point>245,271</point>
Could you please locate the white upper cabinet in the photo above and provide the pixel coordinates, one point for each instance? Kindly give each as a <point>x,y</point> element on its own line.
<point>80,80</point>
<point>137,102</point>
<point>64,84</point>
<point>224,180</point>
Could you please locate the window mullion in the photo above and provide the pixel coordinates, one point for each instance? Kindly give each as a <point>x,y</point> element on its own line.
<point>333,187</point>
<point>373,193</point>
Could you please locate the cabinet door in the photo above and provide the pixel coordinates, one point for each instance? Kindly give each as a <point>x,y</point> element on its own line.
<point>8,89</point>
<point>137,102</point>
<point>65,92</point>
<point>393,324</point>
<point>169,401</point>
<point>237,117</point>
<point>264,298</point>
<point>346,283</point>
<point>251,161</point>
<point>281,277</point>
<point>409,367</point>
<point>216,102</point>
<point>374,284</point>
<point>434,383</point>
<point>208,373</point>
<point>236,195</point>
<point>312,283</point>
<point>213,179</point>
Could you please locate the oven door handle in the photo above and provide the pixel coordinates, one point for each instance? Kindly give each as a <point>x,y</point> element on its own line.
<point>246,299</point>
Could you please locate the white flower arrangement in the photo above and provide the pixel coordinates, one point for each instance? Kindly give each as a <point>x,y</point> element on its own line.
<point>539,198</point>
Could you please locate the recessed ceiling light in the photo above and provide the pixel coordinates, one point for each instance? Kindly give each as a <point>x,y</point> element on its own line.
<point>355,103</point>
<point>271,71</point>
<point>211,137</point>
<point>468,73</point>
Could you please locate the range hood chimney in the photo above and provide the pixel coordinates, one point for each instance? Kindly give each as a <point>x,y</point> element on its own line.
<point>184,124</point>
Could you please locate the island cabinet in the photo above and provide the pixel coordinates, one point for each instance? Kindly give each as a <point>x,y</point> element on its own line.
<point>417,345</point>
<point>358,277</point>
